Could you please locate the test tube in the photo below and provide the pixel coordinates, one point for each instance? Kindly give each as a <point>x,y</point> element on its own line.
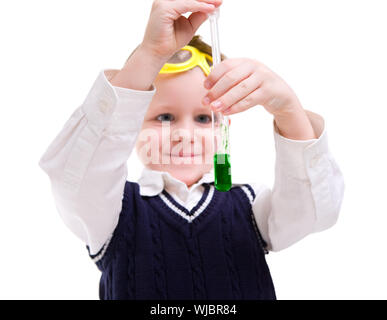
<point>220,127</point>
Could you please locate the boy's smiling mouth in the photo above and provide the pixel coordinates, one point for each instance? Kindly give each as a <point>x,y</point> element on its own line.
<point>187,155</point>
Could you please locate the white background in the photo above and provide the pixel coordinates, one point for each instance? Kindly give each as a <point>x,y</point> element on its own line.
<point>332,53</point>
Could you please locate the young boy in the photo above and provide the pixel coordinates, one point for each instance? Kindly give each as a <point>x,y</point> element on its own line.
<point>172,235</point>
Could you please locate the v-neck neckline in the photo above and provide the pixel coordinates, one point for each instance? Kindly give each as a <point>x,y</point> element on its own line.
<point>182,208</point>
<point>181,214</point>
<point>178,216</point>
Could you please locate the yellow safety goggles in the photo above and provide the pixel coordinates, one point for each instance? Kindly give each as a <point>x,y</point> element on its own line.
<point>194,58</point>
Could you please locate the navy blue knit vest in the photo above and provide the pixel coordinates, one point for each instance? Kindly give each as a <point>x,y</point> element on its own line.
<point>161,250</point>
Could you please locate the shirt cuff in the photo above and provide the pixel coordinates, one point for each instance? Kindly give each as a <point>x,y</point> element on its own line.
<point>295,157</point>
<point>116,109</point>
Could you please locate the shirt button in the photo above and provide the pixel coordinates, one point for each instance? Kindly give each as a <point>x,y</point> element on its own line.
<point>104,106</point>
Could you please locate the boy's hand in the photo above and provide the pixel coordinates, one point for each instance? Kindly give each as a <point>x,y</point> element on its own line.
<point>236,85</point>
<point>168,30</point>
<point>241,83</point>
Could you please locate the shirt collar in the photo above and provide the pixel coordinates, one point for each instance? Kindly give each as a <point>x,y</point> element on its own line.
<point>152,182</point>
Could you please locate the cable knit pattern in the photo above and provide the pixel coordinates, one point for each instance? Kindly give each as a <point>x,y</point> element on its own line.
<point>197,272</point>
<point>251,196</point>
<point>155,252</point>
<point>227,247</point>
<point>258,255</point>
<point>158,258</point>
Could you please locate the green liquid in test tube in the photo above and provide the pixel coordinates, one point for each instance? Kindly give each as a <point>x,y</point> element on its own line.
<point>220,129</point>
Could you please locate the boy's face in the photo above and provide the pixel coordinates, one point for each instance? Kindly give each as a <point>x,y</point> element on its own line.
<point>176,126</point>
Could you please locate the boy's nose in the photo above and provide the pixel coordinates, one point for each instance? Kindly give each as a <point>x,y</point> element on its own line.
<point>186,129</point>
<point>182,133</point>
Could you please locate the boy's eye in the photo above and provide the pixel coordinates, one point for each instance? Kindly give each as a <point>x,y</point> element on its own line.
<point>165,117</point>
<point>203,118</point>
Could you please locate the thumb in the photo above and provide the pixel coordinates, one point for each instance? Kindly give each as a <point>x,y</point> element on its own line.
<point>196,19</point>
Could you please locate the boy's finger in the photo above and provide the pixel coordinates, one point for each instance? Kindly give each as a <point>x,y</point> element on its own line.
<point>257,97</point>
<point>229,80</point>
<point>220,70</point>
<point>196,19</point>
<point>239,92</point>
<point>184,6</point>
<point>216,3</point>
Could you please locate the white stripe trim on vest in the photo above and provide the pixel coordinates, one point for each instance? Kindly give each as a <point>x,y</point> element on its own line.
<point>248,193</point>
<point>197,212</point>
<point>205,203</point>
<point>105,246</point>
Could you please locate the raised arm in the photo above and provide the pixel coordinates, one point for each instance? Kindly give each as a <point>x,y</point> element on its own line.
<point>86,162</point>
<point>307,192</point>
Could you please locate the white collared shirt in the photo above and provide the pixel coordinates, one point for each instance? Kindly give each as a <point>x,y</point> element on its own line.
<point>86,164</point>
